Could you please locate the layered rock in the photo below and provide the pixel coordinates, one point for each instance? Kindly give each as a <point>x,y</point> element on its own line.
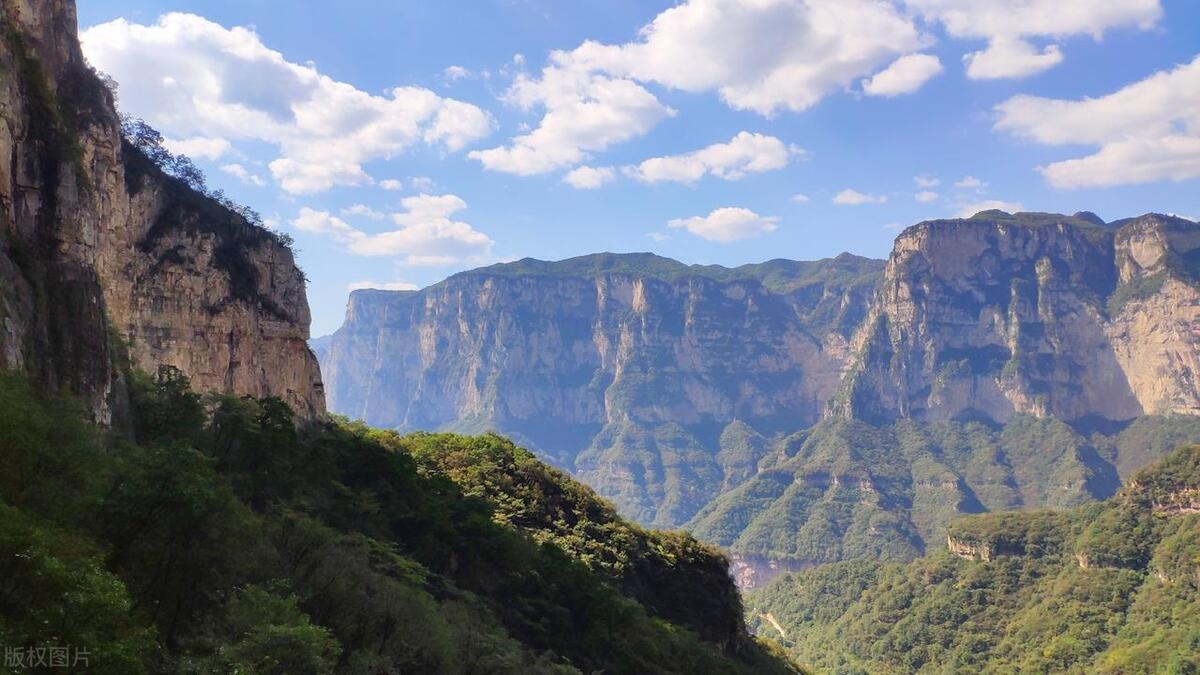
<point>626,369</point>
<point>1037,314</point>
<point>104,256</point>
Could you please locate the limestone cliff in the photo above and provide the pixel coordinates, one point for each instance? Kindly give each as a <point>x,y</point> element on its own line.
<point>102,253</point>
<point>1039,314</point>
<point>626,369</point>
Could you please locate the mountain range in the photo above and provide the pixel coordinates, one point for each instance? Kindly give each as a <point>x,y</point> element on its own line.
<point>800,412</point>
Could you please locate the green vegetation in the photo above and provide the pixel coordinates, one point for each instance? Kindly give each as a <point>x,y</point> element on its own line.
<point>845,489</point>
<point>778,276</point>
<point>220,538</point>
<point>1103,588</point>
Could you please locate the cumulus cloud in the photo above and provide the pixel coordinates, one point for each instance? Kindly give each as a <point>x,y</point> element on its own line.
<point>745,153</point>
<point>970,183</point>
<point>243,174</point>
<point>850,197</point>
<point>363,211</point>
<point>454,73</point>
<point>1009,57</point>
<point>926,196</point>
<point>800,198</point>
<point>1147,131</point>
<point>194,78</point>
<point>764,55</point>
<point>904,76</point>
<point>427,235</point>
<point>925,182</point>
<point>584,112</point>
<point>989,205</point>
<point>727,224</point>
<point>659,236</point>
<point>381,286</point>
<point>589,178</point>
<point>1007,26</point>
<point>391,184</point>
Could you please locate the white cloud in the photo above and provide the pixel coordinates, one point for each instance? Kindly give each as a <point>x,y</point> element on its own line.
<point>1008,25</point>
<point>761,55</point>
<point>989,205</point>
<point>243,174</point>
<point>745,153</point>
<point>391,184</point>
<point>454,73</point>
<point>904,76</point>
<point>589,178</point>
<point>321,222</point>
<point>659,236</point>
<point>427,235</point>
<point>199,147</point>
<point>849,197</point>
<point>422,183</point>
<point>970,183</point>
<point>362,211</point>
<point>800,198</point>
<point>1009,57</point>
<point>381,286</point>
<point>727,224</point>
<point>926,196</point>
<point>925,181</point>
<point>584,112</point>
<point>1147,131</point>
<point>191,78</point>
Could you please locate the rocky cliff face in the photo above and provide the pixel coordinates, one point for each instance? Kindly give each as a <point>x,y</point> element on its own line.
<point>664,385</point>
<point>102,254</point>
<point>1038,314</point>
<point>627,369</point>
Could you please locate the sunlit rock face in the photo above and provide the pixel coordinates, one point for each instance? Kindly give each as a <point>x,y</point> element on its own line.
<point>104,259</point>
<point>1038,314</point>
<point>652,380</point>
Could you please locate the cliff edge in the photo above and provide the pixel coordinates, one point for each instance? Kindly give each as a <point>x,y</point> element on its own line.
<point>105,258</point>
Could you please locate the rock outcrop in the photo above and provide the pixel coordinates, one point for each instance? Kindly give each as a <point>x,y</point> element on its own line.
<point>103,256</point>
<point>663,385</point>
<point>625,369</point>
<point>1037,314</point>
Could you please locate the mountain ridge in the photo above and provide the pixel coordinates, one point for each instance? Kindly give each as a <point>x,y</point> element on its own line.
<point>665,385</point>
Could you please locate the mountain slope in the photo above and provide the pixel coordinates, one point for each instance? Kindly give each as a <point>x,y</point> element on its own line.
<point>223,540</point>
<point>1104,588</point>
<point>848,489</point>
<point>664,385</point>
<point>625,369</point>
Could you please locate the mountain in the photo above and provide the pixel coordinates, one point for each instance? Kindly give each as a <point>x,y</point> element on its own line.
<point>1104,588</point>
<point>626,369</point>
<point>104,256</point>
<point>1033,313</point>
<point>667,386</point>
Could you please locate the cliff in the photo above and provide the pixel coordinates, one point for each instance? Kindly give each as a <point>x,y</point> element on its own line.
<point>1040,314</point>
<point>629,370</point>
<point>103,257</point>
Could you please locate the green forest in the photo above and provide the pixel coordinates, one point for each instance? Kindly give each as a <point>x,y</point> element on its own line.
<point>215,536</point>
<point>1110,587</point>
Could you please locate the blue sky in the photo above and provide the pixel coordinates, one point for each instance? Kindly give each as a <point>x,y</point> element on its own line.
<point>399,142</point>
